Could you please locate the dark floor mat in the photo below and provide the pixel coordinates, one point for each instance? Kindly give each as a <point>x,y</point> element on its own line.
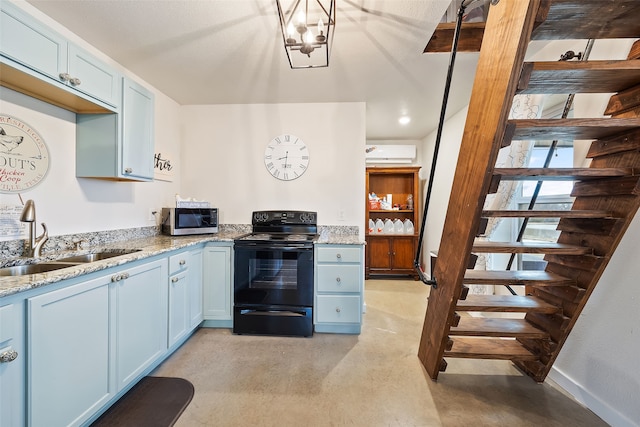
<point>153,402</point>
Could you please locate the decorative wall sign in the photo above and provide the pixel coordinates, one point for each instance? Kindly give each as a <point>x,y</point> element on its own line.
<point>162,167</point>
<point>24,157</point>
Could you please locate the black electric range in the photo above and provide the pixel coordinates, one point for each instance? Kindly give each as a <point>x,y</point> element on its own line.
<point>273,275</point>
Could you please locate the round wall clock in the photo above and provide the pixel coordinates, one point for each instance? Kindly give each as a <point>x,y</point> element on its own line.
<point>286,157</point>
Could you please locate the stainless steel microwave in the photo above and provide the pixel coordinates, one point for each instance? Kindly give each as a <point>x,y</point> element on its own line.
<point>185,221</point>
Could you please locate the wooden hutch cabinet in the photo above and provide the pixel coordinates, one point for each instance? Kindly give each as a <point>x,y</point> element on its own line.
<point>392,254</point>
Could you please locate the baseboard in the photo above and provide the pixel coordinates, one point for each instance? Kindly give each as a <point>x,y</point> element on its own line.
<point>594,403</point>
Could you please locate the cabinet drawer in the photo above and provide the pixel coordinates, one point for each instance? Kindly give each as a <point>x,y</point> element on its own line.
<point>339,278</point>
<point>178,262</point>
<point>341,254</point>
<point>338,309</point>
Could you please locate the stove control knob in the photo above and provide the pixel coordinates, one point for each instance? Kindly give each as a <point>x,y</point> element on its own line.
<point>307,217</point>
<point>261,216</point>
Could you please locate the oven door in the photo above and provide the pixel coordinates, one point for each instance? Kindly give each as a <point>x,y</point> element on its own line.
<point>267,274</point>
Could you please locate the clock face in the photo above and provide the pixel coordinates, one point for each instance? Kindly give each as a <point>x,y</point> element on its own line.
<point>286,157</point>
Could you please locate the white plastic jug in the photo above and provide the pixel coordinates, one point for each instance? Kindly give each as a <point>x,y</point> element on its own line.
<point>408,226</point>
<point>379,226</point>
<point>372,227</point>
<point>388,226</point>
<point>398,227</point>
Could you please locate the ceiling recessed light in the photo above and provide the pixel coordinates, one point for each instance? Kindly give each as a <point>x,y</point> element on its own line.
<point>404,120</point>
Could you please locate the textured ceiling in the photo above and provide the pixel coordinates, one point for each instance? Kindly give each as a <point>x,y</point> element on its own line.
<point>230,52</point>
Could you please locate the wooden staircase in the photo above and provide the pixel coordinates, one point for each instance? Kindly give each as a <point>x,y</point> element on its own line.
<point>533,328</point>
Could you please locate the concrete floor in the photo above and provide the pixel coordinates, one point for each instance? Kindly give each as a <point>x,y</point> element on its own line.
<point>373,379</point>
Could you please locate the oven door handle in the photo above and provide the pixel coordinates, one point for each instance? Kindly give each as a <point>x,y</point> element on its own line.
<point>268,247</point>
<point>266,312</point>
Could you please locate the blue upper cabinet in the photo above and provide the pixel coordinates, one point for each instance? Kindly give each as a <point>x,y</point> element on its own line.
<point>40,62</point>
<point>137,131</point>
<point>29,43</point>
<point>92,77</point>
<point>118,146</point>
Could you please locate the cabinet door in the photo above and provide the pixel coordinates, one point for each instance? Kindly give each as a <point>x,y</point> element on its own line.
<point>69,358</point>
<point>403,252</point>
<point>217,283</point>
<point>12,365</point>
<point>137,131</point>
<point>24,40</point>
<point>379,252</point>
<point>178,306</point>
<point>141,312</point>
<point>195,288</point>
<point>93,77</point>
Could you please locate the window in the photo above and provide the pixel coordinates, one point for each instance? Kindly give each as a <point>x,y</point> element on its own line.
<point>552,195</point>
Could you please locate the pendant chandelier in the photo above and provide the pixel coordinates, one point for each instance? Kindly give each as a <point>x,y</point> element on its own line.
<point>307,31</point>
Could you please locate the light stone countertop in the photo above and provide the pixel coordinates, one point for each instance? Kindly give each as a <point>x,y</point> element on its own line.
<point>145,247</point>
<point>337,239</point>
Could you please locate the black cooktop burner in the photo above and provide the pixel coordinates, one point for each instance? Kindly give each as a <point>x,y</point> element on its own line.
<point>282,227</point>
<point>278,237</point>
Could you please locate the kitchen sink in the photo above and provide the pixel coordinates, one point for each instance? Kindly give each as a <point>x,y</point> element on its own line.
<point>98,256</point>
<point>22,270</point>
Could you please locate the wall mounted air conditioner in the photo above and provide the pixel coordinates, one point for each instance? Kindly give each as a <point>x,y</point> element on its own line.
<point>390,153</point>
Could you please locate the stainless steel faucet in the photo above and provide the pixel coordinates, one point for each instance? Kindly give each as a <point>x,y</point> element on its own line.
<point>35,243</point>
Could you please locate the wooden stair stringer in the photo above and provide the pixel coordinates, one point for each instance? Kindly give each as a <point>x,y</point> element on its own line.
<point>506,36</point>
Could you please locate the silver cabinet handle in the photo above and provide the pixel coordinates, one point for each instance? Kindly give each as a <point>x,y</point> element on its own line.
<point>182,262</point>
<point>337,309</point>
<point>128,170</point>
<point>65,77</point>
<point>175,280</point>
<point>119,277</point>
<point>8,356</point>
<point>75,81</point>
<point>338,256</point>
<point>338,280</point>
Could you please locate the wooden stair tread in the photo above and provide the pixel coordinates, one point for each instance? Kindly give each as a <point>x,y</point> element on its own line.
<point>565,77</point>
<point>497,327</point>
<point>489,348</point>
<point>561,174</point>
<point>547,214</point>
<point>515,277</point>
<point>569,129</point>
<point>505,303</point>
<point>529,247</point>
<point>470,38</point>
<point>579,19</point>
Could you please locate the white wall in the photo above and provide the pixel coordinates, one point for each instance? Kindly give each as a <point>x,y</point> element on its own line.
<point>443,179</point>
<point>223,159</point>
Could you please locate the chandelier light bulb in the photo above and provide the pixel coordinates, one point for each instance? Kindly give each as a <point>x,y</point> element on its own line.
<point>301,25</point>
<point>301,18</point>
<point>320,38</point>
<point>308,37</point>
<point>306,47</point>
<point>291,34</point>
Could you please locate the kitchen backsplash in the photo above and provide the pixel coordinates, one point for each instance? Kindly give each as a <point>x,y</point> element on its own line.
<point>15,248</point>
